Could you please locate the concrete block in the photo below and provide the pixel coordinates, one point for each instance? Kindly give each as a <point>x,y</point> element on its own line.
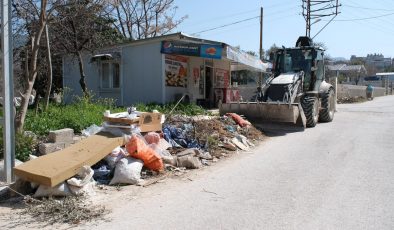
<point>61,135</point>
<point>46,148</point>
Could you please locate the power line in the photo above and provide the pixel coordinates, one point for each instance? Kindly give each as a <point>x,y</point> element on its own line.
<point>362,19</point>
<point>226,25</point>
<point>366,8</point>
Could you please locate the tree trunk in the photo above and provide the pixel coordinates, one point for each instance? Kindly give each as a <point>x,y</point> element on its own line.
<point>82,81</point>
<point>20,118</point>
<point>49,74</point>
<point>32,72</point>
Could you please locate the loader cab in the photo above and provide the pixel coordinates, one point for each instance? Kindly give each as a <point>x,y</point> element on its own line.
<point>294,60</point>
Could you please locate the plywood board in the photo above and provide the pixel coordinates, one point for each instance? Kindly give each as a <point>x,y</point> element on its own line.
<point>54,168</point>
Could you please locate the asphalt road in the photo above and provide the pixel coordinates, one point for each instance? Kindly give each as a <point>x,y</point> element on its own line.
<point>339,175</point>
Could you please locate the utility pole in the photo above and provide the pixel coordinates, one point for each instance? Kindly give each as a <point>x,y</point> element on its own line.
<point>261,43</point>
<point>308,19</point>
<point>8,88</point>
<point>317,9</point>
<point>261,32</point>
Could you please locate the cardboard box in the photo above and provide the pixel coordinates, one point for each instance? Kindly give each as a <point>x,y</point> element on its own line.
<point>55,168</point>
<point>147,122</point>
<point>150,122</point>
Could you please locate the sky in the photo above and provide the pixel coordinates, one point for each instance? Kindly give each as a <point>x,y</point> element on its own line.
<point>363,26</point>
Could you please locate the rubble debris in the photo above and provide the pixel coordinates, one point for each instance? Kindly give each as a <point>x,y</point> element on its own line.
<point>171,160</point>
<point>229,146</point>
<point>189,162</point>
<point>204,155</point>
<point>239,144</point>
<point>61,135</point>
<point>191,152</point>
<point>350,100</point>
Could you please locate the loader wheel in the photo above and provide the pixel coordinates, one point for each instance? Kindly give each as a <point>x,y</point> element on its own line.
<point>327,106</point>
<point>310,105</point>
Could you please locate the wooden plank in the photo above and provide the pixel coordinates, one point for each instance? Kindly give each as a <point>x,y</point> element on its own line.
<point>54,168</point>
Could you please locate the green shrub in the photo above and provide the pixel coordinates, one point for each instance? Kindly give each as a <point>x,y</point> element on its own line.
<point>24,145</point>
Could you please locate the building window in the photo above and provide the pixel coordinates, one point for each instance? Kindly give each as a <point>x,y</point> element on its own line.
<point>110,75</point>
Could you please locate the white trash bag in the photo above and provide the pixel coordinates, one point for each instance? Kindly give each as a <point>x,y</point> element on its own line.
<point>128,171</point>
<point>84,184</point>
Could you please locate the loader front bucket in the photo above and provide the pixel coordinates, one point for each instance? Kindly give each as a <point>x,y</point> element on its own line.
<point>266,112</point>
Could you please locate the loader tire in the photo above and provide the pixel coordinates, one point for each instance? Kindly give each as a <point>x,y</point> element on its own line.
<point>327,106</point>
<point>310,105</point>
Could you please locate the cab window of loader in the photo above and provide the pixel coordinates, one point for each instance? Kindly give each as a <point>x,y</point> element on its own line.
<point>293,61</point>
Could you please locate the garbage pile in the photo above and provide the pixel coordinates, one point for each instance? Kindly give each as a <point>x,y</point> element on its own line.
<point>174,144</point>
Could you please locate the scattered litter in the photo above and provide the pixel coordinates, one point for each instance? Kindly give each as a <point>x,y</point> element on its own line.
<point>152,138</point>
<point>91,130</point>
<point>240,121</point>
<point>204,190</point>
<point>103,174</point>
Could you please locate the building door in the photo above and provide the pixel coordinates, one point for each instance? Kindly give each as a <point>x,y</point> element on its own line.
<point>209,84</point>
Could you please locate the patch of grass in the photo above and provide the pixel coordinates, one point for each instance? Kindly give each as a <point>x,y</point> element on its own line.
<point>182,108</point>
<point>83,113</point>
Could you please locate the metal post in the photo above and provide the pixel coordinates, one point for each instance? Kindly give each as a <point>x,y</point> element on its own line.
<point>336,90</point>
<point>261,43</point>
<point>308,20</point>
<point>8,88</point>
<point>261,33</point>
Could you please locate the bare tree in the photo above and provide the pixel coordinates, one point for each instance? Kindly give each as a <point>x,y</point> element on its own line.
<point>82,26</point>
<point>35,15</point>
<point>139,19</point>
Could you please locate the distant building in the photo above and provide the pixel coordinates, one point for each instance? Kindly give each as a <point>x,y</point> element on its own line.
<point>376,61</point>
<point>348,74</point>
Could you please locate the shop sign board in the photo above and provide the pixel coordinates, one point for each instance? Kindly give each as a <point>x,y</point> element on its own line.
<point>180,48</point>
<point>211,51</point>
<point>191,49</point>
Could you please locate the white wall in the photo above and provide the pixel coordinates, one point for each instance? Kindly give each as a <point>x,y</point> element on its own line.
<point>143,75</point>
<point>71,76</point>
